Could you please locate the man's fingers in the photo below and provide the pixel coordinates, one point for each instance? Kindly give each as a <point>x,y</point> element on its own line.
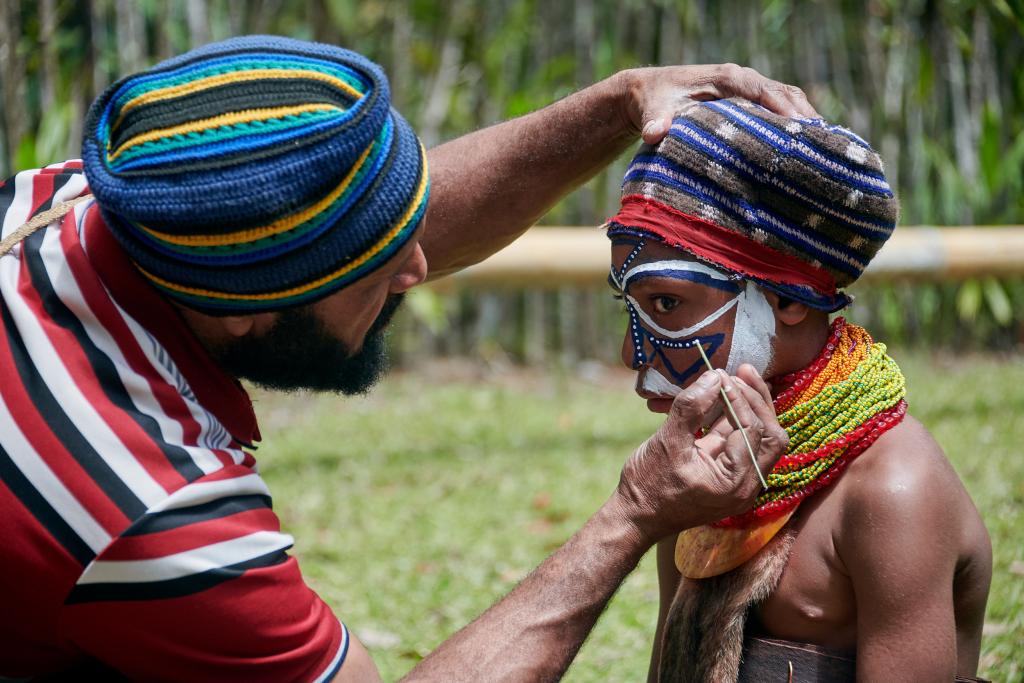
<point>692,406</point>
<point>787,100</point>
<point>759,398</point>
<point>658,94</point>
<point>736,445</point>
<point>724,426</point>
<point>741,409</point>
<point>799,101</point>
<point>712,443</point>
<point>753,379</point>
<point>764,410</point>
<point>767,440</point>
<point>772,435</point>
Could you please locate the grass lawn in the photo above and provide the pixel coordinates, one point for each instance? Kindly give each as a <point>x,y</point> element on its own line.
<point>415,508</point>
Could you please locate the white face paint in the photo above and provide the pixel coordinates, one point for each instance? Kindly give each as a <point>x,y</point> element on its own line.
<point>753,329</point>
<point>753,332</point>
<point>657,383</point>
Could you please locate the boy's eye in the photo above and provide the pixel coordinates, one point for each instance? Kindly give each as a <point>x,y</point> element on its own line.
<point>664,304</point>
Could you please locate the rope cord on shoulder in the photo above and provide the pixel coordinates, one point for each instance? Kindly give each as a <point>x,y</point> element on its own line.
<point>38,221</point>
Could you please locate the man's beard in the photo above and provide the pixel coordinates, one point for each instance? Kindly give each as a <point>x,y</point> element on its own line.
<point>298,353</point>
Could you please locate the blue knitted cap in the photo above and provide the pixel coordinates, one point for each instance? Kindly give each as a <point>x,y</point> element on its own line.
<point>256,173</point>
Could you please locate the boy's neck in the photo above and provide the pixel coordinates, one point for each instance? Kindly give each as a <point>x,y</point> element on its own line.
<point>798,346</point>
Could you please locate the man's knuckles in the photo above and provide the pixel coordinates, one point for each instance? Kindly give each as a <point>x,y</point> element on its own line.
<point>693,403</point>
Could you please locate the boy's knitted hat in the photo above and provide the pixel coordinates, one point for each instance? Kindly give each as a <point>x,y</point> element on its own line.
<point>256,173</point>
<point>798,205</point>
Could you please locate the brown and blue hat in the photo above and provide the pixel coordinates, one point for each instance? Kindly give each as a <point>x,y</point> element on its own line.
<point>798,205</point>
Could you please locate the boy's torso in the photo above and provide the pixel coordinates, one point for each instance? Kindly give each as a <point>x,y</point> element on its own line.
<point>815,601</point>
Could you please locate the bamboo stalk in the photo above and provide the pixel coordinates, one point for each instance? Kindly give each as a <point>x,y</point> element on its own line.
<point>567,257</point>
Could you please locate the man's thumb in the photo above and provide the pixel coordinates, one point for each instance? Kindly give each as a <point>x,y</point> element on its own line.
<point>655,128</point>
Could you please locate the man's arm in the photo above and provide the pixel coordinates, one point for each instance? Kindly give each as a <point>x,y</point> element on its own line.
<point>672,482</point>
<point>488,187</point>
<point>899,541</point>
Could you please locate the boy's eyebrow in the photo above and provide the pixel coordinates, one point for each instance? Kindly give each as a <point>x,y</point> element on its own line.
<point>625,241</point>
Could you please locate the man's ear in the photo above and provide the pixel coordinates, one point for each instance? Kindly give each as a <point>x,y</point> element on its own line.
<point>787,311</point>
<point>237,326</point>
<point>214,330</point>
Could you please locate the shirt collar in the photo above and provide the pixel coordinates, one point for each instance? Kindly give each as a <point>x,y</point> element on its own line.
<point>219,393</point>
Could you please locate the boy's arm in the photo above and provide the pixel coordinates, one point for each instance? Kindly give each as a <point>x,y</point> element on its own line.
<point>899,540</point>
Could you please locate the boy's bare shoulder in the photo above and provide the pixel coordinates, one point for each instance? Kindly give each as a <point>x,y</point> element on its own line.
<point>905,486</point>
<point>904,463</point>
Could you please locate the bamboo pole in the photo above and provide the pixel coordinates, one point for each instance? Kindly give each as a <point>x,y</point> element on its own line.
<point>579,257</point>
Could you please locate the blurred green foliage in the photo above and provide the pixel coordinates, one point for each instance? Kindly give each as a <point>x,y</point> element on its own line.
<point>936,85</point>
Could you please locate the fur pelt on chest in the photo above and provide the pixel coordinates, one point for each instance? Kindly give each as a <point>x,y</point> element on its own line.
<point>704,630</point>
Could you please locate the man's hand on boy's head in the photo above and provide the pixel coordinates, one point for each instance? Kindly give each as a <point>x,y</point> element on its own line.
<point>655,94</point>
<point>675,480</point>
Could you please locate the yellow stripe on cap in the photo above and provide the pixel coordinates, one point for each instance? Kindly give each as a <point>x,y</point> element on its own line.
<point>229,119</point>
<point>309,286</point>
<point>275,228</point>
<point>232,77</point>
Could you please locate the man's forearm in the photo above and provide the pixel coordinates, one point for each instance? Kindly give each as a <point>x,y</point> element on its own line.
<point>671,482</point>
<point>536,630</point>
<point>488,187</point>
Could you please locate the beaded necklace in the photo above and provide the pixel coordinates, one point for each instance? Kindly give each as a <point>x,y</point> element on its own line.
<point>833,410</point>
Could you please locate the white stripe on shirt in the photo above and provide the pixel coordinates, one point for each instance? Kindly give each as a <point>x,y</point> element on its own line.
<point>188,562</point>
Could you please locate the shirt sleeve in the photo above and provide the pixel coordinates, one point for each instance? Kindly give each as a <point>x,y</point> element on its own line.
<point>201,588</point>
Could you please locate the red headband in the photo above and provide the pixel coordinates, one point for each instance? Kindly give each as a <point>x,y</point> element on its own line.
<point>718,245</point>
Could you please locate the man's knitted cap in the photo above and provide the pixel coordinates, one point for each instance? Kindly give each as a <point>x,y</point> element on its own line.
<point>798,205</point>
<point>255,174</point>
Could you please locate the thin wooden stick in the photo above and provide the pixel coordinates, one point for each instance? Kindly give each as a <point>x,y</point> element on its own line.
<point>732,412</point>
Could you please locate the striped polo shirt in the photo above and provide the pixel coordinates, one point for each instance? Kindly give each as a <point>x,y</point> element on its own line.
<point>136,530</point>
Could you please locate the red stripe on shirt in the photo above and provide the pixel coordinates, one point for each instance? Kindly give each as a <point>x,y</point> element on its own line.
<point>219,393</point>
<point>191,536</point>
<point>38,597</point>
<point>77,364</point>
<point>97,298</point>
<point>73,165</point>
<point>51,450</point>
<point>42,193</point>
<point>289,633</point>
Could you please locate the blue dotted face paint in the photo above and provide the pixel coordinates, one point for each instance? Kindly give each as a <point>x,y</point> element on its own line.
<point>680,375</point>
<point>752,333</point>
<point>647,334</point>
